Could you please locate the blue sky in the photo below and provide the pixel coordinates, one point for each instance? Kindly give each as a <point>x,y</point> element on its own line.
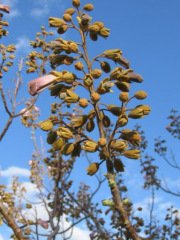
<point>148,32</point>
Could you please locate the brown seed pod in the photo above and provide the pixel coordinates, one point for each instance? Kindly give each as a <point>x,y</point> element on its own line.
<point>76,3</point>
<point>67,17</point>
<point>106,121</point>
<point>102,142</point>
<point>93,36</point>
<point>93,168</point>
<point>90,125</point>
<point>140,95</point>
<point>105,66</point>
<point>96,73</point>
<point>83,102</point>
<point>88,7</point>
<point>118,165</point>
<point>51,137</point>
<point>123,86</point>
<point>95,96</point>
<point>79,66</point>
<point>70,11</point>
<point>124,96</point>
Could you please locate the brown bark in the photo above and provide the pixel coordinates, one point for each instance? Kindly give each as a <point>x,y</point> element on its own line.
<point>11,222</point>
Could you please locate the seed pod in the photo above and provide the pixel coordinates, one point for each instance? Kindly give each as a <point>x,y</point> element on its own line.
<point>104,32</point>
<point>46,125</point>
<point>123,86</point>
<point>77,150</point>
<point>122,120</point>
<point>96,73</point>
<point>114,109</point>
<point>71,97</point>
<point>95,96</point>
<point>93,36</point>
<point>76,3</point>
<point>139,111</point>
<point>105,66</point>
<point>93,168</point>
<point>67,17</point>
<point>56,22</point>
<point>83,102</point>
<point>140,95</point>
<point>79,66</point>
<point>88,81</point>
<point>70,11</point>
<point>68,148</point>
<point>5,69</point>
<point>99,24</point>
<point>102,142</point>
<point>89,146</point>
<point>58,144</point>
<point>88,7</point>
<point>106,121</point>
<point>79,121</point>
<point>133,154</point>
<point>65,132</point>
<point>90,125</point>
<point>111,53</point>
<point>62,29</point>
<point>94,28</point>
<point>131,136</point>
<point>124,96</point>
<point>118,165</point>
<point>119,145</point>
<point>51,137</point>
<point>108,203</point>
<point>73,47</point>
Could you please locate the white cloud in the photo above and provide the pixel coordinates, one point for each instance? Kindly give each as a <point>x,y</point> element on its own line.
<point>22,44</point>
<point>40,212</point>
<point>15,171</point>
<point>1,237</point>
<point>43,7</point>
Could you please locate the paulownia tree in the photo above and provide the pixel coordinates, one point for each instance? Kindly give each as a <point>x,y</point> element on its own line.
<point>82,120</point>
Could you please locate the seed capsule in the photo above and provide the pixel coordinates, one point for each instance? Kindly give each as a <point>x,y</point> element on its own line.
<point>122,120</point>
<point>93,168</point>
<point>90,125</point>
<point>70,11</point>
<point>56,22</point>
<point>96,73</point>
<point>95,96</point>
<point>140,95</point>
<point>67,17</point>
<point>76,3</point>
<point>51,137</point>
<point>124,96</point>
<point>118,145</point>
<point>106,121</point>
<point>65,132</point>
<point>89,146</point>
<point>58,144</point>
<point>46,125</point>
<point>108,203</point>
<point>118,165</point>
<point>123,86</point>
<point>83,102</point>
<point>102,142</point>
<point>105,66</point>
<point>88,7</point>
<point>79,66</point>
<point>133,154</point>
<point>104,32</point>
<point>68,148</point>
